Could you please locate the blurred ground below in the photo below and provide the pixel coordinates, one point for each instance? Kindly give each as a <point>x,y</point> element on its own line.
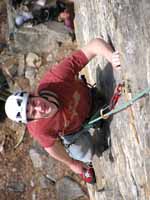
<point>20,178</point>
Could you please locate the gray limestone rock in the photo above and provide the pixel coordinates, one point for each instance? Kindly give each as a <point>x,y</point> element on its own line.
<point>16,187</point>
<point>36,158</point>
<point>67,189</point>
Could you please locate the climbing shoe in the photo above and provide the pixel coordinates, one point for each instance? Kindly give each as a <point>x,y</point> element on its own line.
<point>89,175</point>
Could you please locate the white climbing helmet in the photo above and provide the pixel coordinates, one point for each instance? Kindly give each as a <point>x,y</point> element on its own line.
<point>15,106</point>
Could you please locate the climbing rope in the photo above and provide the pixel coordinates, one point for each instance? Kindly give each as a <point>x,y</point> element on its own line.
<point>114,101</point>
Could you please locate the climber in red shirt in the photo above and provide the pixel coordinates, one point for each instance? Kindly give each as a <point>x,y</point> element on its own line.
<point>60,106</point>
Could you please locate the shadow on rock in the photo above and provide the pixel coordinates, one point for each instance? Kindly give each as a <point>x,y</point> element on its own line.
<point>106,85</point>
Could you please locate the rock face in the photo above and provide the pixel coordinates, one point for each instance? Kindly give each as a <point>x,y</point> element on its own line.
<point>43,37</point>
<point>125,24</point>
<point>68,189</point>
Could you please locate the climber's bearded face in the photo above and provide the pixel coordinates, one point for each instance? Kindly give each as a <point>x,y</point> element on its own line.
<point>39,107</point>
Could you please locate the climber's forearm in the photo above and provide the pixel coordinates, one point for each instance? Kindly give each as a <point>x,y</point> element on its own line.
<point>58,152</point>
<point>98,47</point>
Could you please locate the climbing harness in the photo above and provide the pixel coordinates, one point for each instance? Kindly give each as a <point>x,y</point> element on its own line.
<point>109,110</point>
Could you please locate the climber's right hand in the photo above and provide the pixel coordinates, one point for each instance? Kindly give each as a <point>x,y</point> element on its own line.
<point>78,167</point>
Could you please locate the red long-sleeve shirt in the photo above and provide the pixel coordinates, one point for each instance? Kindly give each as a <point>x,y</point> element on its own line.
<point>74,98</point>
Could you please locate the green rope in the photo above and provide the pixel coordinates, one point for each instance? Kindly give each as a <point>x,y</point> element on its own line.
<point>120,108</point>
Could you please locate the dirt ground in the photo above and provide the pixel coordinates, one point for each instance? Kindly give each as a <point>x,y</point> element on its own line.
<point>15,163</point>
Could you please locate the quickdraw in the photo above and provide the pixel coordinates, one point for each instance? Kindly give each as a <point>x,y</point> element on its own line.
<point>106,112</point>
<point>116,96</point>
<point>122,107</point>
